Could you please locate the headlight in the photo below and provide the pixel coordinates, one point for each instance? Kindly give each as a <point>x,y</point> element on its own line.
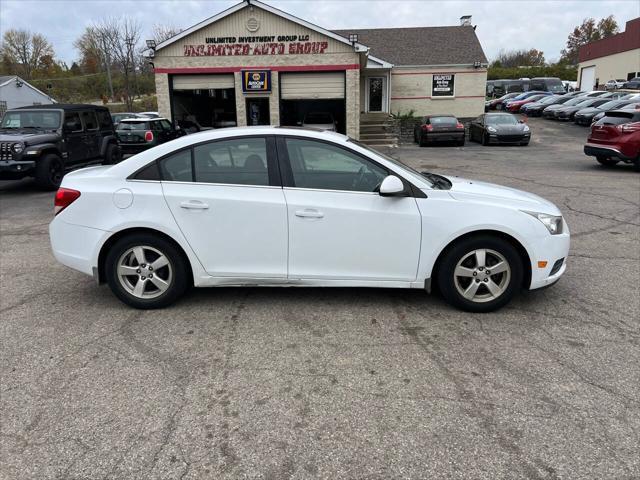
<point>18,147</point>
<point>552,222</point>
<point>526,128</point>
<point>491,129</point>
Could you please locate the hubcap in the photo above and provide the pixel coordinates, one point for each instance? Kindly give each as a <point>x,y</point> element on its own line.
<point>482,275</point>
<point>144,272</point>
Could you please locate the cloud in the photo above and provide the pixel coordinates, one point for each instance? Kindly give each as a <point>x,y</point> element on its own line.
<point>501,24</point>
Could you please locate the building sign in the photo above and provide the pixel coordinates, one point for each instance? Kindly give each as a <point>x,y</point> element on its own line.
<point>256,45</point>
<point>443,86</point>
<point>256,81</point>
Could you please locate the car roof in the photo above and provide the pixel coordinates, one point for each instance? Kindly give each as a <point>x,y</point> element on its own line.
<point>62,106</point>
<point>141,119</point>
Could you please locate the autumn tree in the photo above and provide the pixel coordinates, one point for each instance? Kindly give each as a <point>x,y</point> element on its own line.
<point>588,31</point>
<point>26,52</point>
<point>520,58</point>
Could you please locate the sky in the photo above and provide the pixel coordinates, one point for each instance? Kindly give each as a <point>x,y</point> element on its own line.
<point>501,24</point>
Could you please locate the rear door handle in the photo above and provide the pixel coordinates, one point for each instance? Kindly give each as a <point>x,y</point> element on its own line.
<point>194,205</point>
<point>309,213</point>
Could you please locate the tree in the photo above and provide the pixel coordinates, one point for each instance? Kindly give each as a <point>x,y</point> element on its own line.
<point>519,58</point>
<point>588,31</point>
<point>164,32</point>
<point>26,52</point>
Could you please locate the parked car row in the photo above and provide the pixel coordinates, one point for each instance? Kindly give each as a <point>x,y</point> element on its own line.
<point>488,129</point>
<point>46,141</point>
<point>497,88</point>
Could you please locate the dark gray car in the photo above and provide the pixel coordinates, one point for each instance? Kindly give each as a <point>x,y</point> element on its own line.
<point>499,128</point>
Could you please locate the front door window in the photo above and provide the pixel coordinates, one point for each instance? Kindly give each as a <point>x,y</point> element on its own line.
<point>376,94</point>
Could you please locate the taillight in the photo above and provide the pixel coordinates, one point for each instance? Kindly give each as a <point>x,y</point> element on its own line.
<point>629,127</point>
<point>64,198</point>
<point>459,126</point>
<point>148,136</point>
<point>427,128</point>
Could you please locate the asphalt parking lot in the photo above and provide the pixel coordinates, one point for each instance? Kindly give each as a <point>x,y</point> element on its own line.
<point>335,383</point>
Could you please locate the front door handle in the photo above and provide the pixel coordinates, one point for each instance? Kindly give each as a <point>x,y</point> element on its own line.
<point>194,205</point>
<point>309,213</point>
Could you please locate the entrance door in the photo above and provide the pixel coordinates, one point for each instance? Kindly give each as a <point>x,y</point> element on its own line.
<point>257,111</point>
<point>376,94</point>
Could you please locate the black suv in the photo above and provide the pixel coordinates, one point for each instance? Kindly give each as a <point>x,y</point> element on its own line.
<point>44,141</point>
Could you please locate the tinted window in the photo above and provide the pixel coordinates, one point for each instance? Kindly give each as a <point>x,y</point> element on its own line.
<point>239,162</point>
<point>165,124</point>
<point>104,119</point>
<point>448,121</point>
<point>324,166</point>
<point>177,167</point>
<point>140,125</point>
<point>150,172</point>
<point>90,120</point>
<point>72,122</point>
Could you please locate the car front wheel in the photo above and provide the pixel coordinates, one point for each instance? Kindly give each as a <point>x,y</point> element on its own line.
<point>49,172</point>
<point>145,271</point>
<point>480,274</point>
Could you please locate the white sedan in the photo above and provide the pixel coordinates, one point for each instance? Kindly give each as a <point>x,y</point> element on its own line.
<point>293,207</point>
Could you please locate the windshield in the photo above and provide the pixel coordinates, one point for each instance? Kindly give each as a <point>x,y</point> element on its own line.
<point>574,101</point>
<point>612,104</point>
<point>41,119</point>
<point>549,99</point>
<point>319,118</point>
<point>501,120</point>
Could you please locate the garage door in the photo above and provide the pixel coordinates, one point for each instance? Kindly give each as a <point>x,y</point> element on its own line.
<point>311,86</point>
<point>587,79</point>
<point>203,82</point>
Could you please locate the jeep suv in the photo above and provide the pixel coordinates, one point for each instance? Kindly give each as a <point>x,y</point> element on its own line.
<point>45,141</point>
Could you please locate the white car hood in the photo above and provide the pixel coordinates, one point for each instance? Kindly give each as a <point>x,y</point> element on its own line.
<point>482,192</point>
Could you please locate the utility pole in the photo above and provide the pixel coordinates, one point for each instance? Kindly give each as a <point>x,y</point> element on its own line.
<point>130,46</point>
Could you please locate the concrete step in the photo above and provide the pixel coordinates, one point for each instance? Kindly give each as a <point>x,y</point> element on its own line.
<point>374,136</point>
<point>380,141</point>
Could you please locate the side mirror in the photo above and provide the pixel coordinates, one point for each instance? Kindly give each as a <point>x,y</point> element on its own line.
<point>391,186</point>
<point>521,121</point>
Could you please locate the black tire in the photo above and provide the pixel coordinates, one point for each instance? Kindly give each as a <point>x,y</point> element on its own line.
<point>606,161</point>
<point>485,139</point>
<point>485,302</point>
<point>49,172</point>
<point>636,164</point>
<point>421,141</point>
<point>176,272</point>
<point>112,155</point>
<point>524,144</point>
<point>461,143</point>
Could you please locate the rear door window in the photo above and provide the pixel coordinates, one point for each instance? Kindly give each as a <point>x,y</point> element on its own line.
<point>177,167</point>
<point>72,123</point>
<point>90,121</point>
<point>104,119</point>
<point>241,161</point>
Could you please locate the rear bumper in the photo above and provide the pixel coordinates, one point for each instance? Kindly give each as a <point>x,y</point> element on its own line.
<point>595,150</point>
<point>14,169</point>
<point>444,136</point>
<point>76,246</point>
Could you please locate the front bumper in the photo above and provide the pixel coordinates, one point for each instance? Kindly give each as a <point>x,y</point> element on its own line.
<point>583,120</point>
<point>495,139</point>
<point>551,249</point>
<point>595,150</point>
<point>15,169</point>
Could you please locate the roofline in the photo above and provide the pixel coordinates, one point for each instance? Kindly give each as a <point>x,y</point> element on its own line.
<point>24,82</point>
<point>11,78</point>
<point>384,63</point>
<point>268,8</point>
<point>482,65</point>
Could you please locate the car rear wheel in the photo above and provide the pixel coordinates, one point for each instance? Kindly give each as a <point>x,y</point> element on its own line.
<point>485,139</point>
<point>480,274</point>
<point>49,172</point>
<point>607,162</point>
<point>146,271</point>
<point>461,143</point>
<point>421,141</point>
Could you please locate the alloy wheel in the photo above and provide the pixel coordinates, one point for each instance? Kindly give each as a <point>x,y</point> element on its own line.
<point>482,275</point>
<point>144,272</point>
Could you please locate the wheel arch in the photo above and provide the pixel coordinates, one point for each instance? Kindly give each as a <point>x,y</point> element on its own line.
<point>522,252</point>
<point>106,246</point>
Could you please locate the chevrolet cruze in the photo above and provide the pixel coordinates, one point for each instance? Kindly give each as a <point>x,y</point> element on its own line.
<point>295,207</point>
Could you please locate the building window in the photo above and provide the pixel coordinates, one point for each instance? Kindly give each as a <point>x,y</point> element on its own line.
<point>443,86</point>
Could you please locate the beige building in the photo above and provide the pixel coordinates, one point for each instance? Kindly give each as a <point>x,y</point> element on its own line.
<point>253,64</point>
<point>612,58</point>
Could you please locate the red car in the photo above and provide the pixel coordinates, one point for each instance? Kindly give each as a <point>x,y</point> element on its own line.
<point>514,106</point>
<point>615,138</point>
